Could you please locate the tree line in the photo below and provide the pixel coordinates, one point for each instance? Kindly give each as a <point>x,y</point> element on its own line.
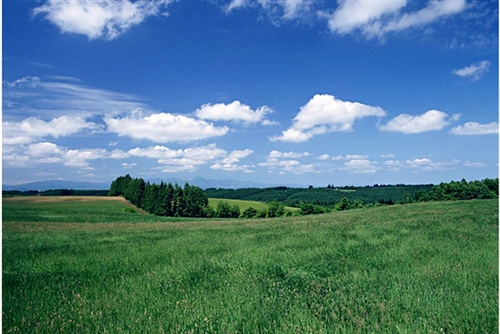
<point>164,199</point>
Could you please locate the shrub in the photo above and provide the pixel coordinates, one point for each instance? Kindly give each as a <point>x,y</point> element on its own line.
<point>249,213</point>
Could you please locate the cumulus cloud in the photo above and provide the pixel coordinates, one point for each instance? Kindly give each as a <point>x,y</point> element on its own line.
<point>350,157</point>
<point>287,162</point>
<point>360,166</point>
<point>432,120</point>
<point>189,159</point>
<point>474,71</point>
<point>28,81</point>
<point>421,164</point>
<point>323,114</point>
<point>48,153</point>
<point>375,19</point>
<point>230,163</point>
<point>234,112</point>
<point>474,164</point>
<point>33,129</point>
<point>164,127</point>
<point>474,128</point>
<point>99,19</point>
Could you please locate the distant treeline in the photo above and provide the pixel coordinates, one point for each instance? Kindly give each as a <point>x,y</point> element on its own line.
<point>55,192</point>
<point>369,195</point>
<point>329,196</point>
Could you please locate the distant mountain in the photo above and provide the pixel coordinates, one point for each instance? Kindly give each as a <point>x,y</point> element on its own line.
<point>58,184</point>
<point>198,181</point>
<point>222,183</point>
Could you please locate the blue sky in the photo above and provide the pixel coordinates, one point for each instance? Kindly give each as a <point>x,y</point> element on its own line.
<point>272,91</point>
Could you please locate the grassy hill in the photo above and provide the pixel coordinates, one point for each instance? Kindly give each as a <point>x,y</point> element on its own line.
<point>242,204</point>
<point>91,266</point>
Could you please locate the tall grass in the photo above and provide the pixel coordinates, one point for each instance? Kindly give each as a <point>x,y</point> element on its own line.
<point>420,268</point>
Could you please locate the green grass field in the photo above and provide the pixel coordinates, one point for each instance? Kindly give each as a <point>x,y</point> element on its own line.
<point>240,203</point>
<point>90,267</point>
<point>243,205</point>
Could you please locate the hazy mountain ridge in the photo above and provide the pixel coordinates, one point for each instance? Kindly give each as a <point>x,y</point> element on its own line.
<point>83,185</point>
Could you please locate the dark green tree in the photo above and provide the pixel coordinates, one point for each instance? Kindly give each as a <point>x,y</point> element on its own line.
<point>249,212</point>
<point>196,201</point>
<point>275,209</point>
<point>119,185</point>
<point>135,192</point>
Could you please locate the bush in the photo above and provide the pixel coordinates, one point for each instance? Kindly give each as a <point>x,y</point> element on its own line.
<point>224,210</point>
<point>249,213</point>
<point>311,209</point>
<point>275,209</point>
<point>130,210</point>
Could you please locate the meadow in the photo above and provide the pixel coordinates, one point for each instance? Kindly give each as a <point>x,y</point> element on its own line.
<point>91,265</point>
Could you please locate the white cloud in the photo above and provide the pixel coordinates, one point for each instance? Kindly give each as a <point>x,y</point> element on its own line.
<point>50,153</point>
<point>127,165</point>
<point>236,155</point>
<point>388,155</point>
<point>474,71</point>
<point>421,164</point>
<point>292,136</point>
<point>352,15</point>
<point>474,128</point>
<point>350,157</point>
<point>60,96</point>
<point>99,19</point>
<point>375,19</point>
<point>276,10</point>
<point>164,127</point>
<point>286,162</point>
<point>325,113</point>
<point>235,112</point>
<point>28,81</point>
<point>287,155</point>
<point>230,162</point>
<point>432,120</point>
<point>474,164</point>
<point>360,166</point>
<point>235,4</point>
<point>324,157</point>
<point>190,159</point>
<point>33,129</point>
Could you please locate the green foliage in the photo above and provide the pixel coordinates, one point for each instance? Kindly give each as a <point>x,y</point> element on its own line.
<point>164,199</point>
<point>130,210</point>
<point>326,197</point>
<point>224,210</point>
<point>249,212</point>
<point>344,204</point>
<point>464,190</point>
<point>421,268</point>
<point>311,209</point>
<point>275,209</point>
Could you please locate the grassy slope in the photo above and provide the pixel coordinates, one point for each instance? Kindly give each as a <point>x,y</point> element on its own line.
<point>430,267</point>
<point>242,204</point>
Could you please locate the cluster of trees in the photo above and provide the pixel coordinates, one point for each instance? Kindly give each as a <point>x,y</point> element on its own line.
<point>463,190</point>
<point>164,199</point>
